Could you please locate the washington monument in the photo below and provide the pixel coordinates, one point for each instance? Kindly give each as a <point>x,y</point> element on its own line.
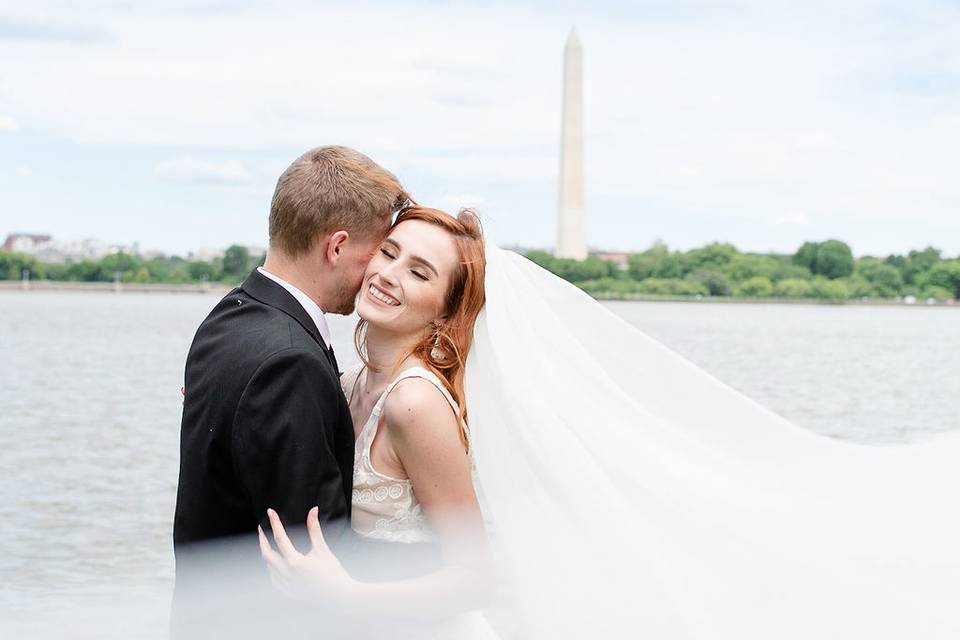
<point>571,239</point>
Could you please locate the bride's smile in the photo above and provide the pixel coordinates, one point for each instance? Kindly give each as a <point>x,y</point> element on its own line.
<point>382,296</point>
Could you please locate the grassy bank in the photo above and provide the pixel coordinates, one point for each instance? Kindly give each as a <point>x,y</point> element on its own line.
<point>111,287</point>
<point>876,302</point>
<point>220,289</point>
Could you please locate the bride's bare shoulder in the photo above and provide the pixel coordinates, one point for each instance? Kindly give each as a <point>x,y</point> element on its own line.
<point>416,408</point>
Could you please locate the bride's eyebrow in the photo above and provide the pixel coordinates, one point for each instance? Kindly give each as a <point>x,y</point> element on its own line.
<point>423,261</point>
<point>426,263</point>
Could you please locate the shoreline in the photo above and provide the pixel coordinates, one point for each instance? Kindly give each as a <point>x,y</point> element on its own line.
<point>871,302</point>
<point>220,289</point>
<point>112,287</point>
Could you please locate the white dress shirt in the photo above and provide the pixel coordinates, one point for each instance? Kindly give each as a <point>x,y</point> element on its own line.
<point>312,308</point>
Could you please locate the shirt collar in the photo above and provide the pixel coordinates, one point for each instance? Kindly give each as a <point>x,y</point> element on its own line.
<point>312,308</point>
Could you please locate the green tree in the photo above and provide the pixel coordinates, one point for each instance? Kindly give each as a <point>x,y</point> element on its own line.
<point>885,278</point>
<point>235,262</point>
<point>787,270</point>
<point>55,271</point>
<point>806,255</point>
<point>140,276</point>
<point>715,254</point>
<point>831,258</point>
<point>200,270</point>
<point>120,261</point>
<point>824,288</point>
<point>643,265</point>
<point>614,287</point>
<point>919,262</point>
<point>672,287</point>
<point>755,287</point>
<point>541,258</point>
<point>834,259</point>
<point>743,266</point>
<point>858,287</point>
<point>946,275</point>
<point>937,293</point>
<point>656,262</point>
<point>87,271</point>
<point>12,265</point>
<point>581,270</point>
<point>573,270</point>
<point>792,288</point>
<point>713,279</point>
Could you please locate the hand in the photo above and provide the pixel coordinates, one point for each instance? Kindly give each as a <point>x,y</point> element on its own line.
<point>316,575</point>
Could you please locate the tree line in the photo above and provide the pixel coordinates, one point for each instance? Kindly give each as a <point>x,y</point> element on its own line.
<point>232,268</point>
<point>822,270</point>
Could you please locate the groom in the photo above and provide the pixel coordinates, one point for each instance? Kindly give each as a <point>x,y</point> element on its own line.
<point>265,423</point>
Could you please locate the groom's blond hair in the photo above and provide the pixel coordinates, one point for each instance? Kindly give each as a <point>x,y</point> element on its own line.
<point>327,189</point>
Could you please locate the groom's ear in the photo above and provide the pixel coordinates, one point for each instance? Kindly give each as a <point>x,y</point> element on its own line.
<point>336,244</point>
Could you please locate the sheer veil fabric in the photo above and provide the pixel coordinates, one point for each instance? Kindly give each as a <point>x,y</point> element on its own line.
<point>631,494</point>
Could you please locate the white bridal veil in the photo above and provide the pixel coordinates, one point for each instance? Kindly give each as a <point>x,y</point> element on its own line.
<point>634,495</point>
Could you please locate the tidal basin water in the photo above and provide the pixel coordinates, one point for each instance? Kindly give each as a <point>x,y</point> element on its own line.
<point>90,416</point>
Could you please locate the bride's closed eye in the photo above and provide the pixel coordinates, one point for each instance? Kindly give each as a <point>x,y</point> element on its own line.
<point>389,254</point>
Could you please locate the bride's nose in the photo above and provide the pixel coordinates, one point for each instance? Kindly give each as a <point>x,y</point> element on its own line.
<point>388,273</point>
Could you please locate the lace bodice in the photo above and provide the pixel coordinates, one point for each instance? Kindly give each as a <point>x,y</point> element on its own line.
<point>386,508</point>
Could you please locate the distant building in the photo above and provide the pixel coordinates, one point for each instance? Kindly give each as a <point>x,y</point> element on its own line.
<point>45,249</point>
<point>205,254</point>
<point>26,242</point>
<point>622,260</point>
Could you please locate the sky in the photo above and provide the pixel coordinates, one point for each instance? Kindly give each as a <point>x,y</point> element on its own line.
<point>764,124</point>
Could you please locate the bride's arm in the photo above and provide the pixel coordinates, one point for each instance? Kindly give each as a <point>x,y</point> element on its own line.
<point>422,432</point>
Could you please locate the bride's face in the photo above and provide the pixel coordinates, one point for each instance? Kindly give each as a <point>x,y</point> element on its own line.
<point>407,280</point>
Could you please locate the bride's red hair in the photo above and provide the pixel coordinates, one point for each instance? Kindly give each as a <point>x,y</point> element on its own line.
<point>445,345</point>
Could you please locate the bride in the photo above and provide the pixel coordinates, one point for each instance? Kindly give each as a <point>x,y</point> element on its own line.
<point>413,476</point>
<point>628,493</point>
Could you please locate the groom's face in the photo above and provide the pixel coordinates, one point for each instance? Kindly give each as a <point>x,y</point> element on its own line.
<point>352,266</point>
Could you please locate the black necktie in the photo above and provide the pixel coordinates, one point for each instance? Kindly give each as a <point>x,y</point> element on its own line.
<point>332,358</point>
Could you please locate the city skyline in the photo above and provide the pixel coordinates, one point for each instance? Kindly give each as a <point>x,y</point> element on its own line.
<point>759,124</point>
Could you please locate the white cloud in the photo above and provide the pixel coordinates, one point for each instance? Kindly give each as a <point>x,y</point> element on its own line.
<point>791,218</point>
<point>7,123</point>
<point>190,171</point>
<point>45,31</point>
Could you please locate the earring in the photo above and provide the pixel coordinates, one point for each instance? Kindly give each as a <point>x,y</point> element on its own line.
<point>436,353</point>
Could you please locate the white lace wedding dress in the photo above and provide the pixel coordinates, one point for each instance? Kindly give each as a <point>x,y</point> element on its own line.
<point>387,509</point>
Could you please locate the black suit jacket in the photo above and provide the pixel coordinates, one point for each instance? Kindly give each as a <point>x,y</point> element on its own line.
<point>265,423</point>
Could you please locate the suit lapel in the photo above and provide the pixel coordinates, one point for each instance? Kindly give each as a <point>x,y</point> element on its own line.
<point>270,293</point>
